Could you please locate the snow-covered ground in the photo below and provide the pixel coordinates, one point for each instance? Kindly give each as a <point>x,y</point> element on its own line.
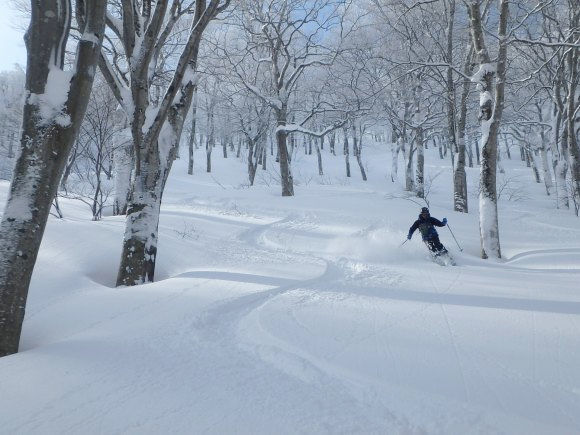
<point>304,314</point>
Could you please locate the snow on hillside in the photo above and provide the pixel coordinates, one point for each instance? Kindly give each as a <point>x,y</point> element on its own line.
<point>304,314</point>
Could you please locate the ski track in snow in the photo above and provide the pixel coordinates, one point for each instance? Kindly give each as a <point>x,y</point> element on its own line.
<point>300,321</point>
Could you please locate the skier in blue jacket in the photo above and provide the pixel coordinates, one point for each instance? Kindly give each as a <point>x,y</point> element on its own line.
<point>426,224</point>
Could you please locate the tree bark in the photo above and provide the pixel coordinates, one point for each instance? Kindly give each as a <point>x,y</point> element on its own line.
<point>156,147</point>
<point>284,159</point>
<point>490,115</point>
<point>45,146</point>
<point>459,176</point>
<point>346,151</point>
<point>571,100</point>
<point>192,143</point>
<point>420,171</point>
<point>123,164</point>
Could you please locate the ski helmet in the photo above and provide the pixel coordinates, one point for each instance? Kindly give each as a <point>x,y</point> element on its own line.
<point>424,210</point>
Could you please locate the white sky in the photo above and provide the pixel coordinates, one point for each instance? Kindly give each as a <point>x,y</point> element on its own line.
<point>12,49</point>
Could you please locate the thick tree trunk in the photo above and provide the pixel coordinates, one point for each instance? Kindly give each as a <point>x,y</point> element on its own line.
<point>490,115</point>
<point>156,147</point>
<point>45,146</point>
<point>139,252</point>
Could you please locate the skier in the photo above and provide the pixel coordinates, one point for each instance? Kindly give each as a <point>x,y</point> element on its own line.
<point>426,225</point>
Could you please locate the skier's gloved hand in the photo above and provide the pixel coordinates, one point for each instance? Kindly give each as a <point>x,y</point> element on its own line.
<point>444,221</point>
<point>409,236</point>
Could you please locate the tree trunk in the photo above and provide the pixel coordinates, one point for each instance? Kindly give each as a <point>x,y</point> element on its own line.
<point>285,171</point>
<point>459,175</point>
<point>251,165</point>
<point>332,142</point>
<point>210,139</point>
<point>395,149</point>
<point>139,251</point>
<point>357,150</point>
<point>490,116</point>
<point>192,144</point>
<point>571,100</point>
<point>319,156</point>
<point>123,164</point>
<point>346,152</point>
<point>45,146</point>
<point>560,163</point>
<point>544,154</point>
<point>420,171</point>
<point>533,165</point>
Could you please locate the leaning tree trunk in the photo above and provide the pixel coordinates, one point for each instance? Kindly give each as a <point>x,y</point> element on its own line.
<point>357,150</point>
<point>48,133</point>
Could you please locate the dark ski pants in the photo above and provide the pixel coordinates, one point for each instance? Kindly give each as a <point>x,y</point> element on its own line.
<point>435,246</point>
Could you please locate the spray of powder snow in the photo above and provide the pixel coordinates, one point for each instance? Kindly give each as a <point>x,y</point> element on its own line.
<point>379,243</point>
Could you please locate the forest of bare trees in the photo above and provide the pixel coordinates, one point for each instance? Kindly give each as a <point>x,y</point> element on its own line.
<point>263,81</point>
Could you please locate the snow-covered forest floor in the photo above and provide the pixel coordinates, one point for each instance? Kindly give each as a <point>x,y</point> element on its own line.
<point>304,314</point>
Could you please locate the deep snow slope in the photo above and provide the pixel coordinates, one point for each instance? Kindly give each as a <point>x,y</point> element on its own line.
<point>304,314</point>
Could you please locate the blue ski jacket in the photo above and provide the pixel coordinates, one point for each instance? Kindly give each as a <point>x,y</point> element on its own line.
<point>427,227</point>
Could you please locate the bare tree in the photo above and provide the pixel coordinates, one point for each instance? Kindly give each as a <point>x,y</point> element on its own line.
<point>53,112</point>
<point>284,38</point>
<point>156,116</point>
<point>491,107</point>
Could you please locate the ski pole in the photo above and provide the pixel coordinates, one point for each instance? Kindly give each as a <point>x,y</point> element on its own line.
<point>460,248</point>
<point>406,240</point>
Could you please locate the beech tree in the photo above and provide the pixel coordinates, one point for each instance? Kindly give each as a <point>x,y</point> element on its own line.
<point>491,100</point>
<point>55,104</point>
<point>155,108</point>
<point>285,38</point>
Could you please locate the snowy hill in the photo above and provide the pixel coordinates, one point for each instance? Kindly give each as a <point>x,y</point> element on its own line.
<point>304,314</point>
